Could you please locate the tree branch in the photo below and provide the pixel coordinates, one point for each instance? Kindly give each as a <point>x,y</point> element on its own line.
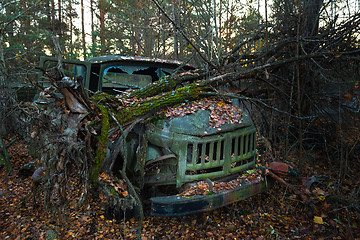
<point>184,35</point>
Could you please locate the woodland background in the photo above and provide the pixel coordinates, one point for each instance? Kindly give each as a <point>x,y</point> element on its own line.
<point>296,60</point>
<point>296,63</point>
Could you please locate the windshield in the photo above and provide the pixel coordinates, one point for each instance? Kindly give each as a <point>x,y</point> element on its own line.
<point>124,80</point>
<point>117,79</point>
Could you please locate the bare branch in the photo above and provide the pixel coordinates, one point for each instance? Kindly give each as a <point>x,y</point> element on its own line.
<point>184,35</point>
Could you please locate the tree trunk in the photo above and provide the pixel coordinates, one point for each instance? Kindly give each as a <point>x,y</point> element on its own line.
<point>60,18</point>
<point>148,46</point>
<point>176,41</point>
<point>127,114</point>
<point>26,26</point>
<point>311,17</point>
<point>53,16</point>
<point>93,38</point>
<point>309,28</point>
<point>102,27</point>
<point>137,31</point>
<point>3,80</point>
<point>83,29</point>
<point>71,29</point>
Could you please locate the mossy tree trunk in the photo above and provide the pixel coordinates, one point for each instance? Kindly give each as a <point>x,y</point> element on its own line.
<point>125,113</point>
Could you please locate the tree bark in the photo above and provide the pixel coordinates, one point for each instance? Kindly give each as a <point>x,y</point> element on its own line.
<point>102,27</point>
<point>53,16</point>
<point>92,26</point>
<point>83,29</point>
<point>60,18</point>
<point>176,40</point>
<point>311,17</point>
<point>71,28</point>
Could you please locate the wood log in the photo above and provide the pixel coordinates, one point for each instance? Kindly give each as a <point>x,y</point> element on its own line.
<point>153,105</point>
<point>168,83</point>
<point>125,113</point>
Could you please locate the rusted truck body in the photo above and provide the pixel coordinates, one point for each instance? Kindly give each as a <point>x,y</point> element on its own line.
<point>179,151</point>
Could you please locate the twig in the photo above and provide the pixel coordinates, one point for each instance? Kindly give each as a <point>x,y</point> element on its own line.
<point>117,148</point>
<point>6,156</point>
<point>184,35</point>
<point>261,101</point>
<point>123,174</point>
<point>59,55</point>
<point>2,29</point>
<point>7,145</point>
<point>248,72</point>
<point>238,47</point>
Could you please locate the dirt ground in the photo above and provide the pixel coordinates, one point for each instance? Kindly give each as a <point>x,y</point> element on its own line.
<point>331,211</point>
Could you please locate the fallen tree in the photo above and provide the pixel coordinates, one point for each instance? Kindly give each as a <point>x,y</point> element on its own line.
<point>75,134</point>
<point>92,121</point>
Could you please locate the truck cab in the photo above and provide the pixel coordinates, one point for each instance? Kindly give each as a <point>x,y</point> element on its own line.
<point>179,151</point>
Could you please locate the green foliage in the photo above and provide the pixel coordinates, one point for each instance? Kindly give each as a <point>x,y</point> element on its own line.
<point>130,28</point>
<point>26,29</point>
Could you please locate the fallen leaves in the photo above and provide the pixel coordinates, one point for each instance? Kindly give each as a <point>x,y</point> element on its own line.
<point>272,215</point>
<point>203,187</point>
<point>220,112</point>
<point>318,220</point>
<point>119,185</point>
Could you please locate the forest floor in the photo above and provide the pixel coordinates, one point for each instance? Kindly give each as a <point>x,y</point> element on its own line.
<point>331,212</point>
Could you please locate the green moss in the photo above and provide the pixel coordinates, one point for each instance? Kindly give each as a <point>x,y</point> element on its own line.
<point>167,84</point>
<point>101,96</point>
<point>113,191</point>
<point>188,93</point>
<point>101,148</point>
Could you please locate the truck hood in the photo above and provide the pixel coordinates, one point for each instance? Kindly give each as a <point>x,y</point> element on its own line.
<point>197,124</point>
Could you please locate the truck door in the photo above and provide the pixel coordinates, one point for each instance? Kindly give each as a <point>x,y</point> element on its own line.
<point>72,69</point>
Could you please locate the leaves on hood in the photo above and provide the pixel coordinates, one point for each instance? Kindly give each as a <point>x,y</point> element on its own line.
<point>221,112</point>
<point>203,188</point>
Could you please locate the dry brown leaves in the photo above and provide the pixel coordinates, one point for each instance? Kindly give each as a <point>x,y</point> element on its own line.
<point>119,185</point>
<point>203,188</point>
<point>220,111</point>
<point>275,214</point>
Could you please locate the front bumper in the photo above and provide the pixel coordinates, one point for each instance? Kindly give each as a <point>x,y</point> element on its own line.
<point>177,206</point>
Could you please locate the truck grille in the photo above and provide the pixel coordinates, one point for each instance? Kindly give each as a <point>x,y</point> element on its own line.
<point>201,157</point>
<point>220,155</point>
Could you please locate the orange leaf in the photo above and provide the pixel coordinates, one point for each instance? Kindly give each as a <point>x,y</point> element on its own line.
<point>347,97</point>
<point>125,193</point>
<point>318,220</point>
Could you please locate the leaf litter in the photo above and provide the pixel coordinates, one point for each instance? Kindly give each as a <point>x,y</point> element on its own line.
<point>221,112</point>
<point>204,188</point>
<point>276,214</point>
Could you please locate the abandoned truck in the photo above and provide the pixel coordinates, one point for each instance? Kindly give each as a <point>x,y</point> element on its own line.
<point>182,151</point>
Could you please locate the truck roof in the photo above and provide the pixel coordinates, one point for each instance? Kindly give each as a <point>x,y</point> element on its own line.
<point>117,58</point>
